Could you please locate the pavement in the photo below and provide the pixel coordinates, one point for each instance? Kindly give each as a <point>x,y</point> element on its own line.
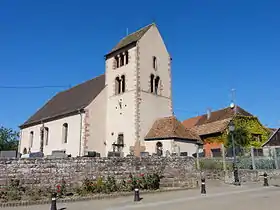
<point>218,197</point>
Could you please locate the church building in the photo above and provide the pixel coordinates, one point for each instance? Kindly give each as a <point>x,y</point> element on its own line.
<point>128,109</point>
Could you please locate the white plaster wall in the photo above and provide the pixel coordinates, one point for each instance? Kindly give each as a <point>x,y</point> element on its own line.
<point>166,146</point>
<point>187,147</point>
<point>55,141</point>
<point>97,123</point>
<point>153,106</point>
<point>121,120</point>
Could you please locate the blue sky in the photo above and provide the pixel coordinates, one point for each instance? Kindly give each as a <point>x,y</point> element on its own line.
<point>216,45</point>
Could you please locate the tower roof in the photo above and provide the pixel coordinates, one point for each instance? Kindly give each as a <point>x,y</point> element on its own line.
<point>131,38</point>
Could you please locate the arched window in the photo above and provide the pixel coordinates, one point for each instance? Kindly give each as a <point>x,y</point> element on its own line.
<point>123,83</point>
<point>152,77</point>
<point>157,84</point>
<point>31,137</point>
<point>155,62</point>
<point>46,135</point>
<point>65,132</point>
<point>117,85</point>
<point>159,148</point>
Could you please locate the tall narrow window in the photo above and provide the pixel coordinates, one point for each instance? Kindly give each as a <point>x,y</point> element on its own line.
<point>46,135</point>
<point>117,63</point>
<point>157,84</point>
<point>152,77</point>
<point>155,62</point>
<point>126,57</point>
<point>123,83</point>
<point>31,137</point>
<point>122,59</point>
<point>117,85</point>
<point>65,133</point>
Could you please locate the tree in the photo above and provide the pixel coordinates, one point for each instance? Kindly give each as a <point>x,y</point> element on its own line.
<point>241,141</point>
<point>241,137</point>
<point>8,139</point>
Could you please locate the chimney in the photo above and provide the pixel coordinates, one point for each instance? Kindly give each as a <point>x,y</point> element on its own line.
<point>208,113</point>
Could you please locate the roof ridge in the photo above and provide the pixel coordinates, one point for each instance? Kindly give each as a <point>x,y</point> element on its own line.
<point>77,85</point>
<point>138,30</point>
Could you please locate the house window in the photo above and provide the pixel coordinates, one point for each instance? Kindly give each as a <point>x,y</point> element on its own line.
<point>123,83</point>
<point>157,84</point>
<point>117,85</point>
<point>31,137</point>
<point>65,133</point>
<point>46,135</point>
<point>257,137</point>
<point>154,62</point>
<point>152,77</point>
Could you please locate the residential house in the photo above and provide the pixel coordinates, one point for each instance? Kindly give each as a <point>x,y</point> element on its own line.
<point>213,128</point>
<point>112,112</point>
<point>272,146</point>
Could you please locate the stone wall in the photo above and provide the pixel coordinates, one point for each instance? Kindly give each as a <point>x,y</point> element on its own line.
<point>177,171</point>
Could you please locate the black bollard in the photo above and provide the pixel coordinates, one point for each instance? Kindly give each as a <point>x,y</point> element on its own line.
<point>203,187</point>
<point>53,204</point>
<point>236,178</point>
<point>265,179</point>
<point>136,195</point>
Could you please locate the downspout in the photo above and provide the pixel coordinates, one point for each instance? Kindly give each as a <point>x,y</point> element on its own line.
<point>81,128</point>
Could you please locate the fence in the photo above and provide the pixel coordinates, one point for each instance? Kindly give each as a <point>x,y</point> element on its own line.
<point>246,158</point>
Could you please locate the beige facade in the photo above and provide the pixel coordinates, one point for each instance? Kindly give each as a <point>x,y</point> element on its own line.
<point>128,112</point>
<point>54,138</point>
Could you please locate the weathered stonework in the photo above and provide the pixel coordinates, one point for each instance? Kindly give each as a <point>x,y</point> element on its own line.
<point>177,172</point>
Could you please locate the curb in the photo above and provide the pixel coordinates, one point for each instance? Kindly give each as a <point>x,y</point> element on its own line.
<point>88,198</point>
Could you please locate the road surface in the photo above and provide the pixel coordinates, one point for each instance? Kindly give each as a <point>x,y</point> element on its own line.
<point>253,196</point>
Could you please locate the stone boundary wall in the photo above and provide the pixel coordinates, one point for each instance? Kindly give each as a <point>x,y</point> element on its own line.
<point>177,171</point>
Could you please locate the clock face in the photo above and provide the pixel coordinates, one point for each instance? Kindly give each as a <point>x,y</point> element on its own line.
<point>120,105</point>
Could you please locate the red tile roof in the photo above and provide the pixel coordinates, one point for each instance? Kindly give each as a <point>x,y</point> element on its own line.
<point>216,122</point>
<point>170,127</point>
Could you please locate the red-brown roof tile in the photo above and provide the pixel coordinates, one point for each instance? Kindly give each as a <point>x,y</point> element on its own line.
<point>170,127</point>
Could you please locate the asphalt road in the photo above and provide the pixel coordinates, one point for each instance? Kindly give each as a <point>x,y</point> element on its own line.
<point>253,196</point>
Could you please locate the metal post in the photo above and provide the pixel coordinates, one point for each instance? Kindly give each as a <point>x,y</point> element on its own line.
<point>53,203</point>
<point>203,187</point>
<point>136,195</point>
<point>253,158</point>
<point>275,158</point>
<point>235,169</point>
<point>197,158</point>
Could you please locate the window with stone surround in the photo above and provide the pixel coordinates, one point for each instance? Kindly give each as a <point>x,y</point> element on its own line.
<point>120,85</point>
<point>152,78</point>
<point>157,82</point>
<point>121,60</point>
<point>123,83</point>
<point>46,135</point>
<point>155,62</point>
<point>31,138</point>
<point>65,132</point>
<point>117,85</point>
